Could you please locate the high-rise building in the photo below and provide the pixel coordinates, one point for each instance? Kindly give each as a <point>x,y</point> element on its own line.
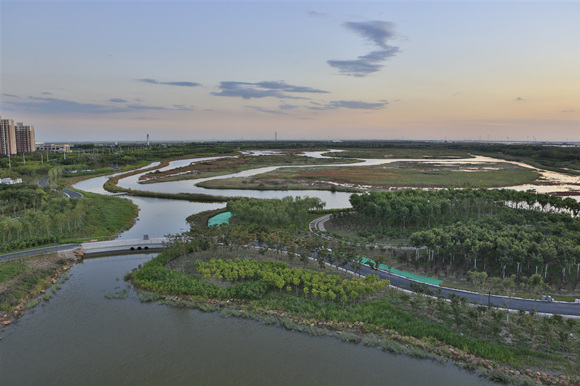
<point>24,138</point>
<point>7,137</point>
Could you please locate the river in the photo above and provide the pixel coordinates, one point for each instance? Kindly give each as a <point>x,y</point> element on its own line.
<point>81,337</point>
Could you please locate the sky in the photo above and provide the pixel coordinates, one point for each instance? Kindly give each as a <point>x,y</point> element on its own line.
<point>292,70</point>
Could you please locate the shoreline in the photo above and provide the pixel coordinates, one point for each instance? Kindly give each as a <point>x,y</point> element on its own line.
<point>360,333</point>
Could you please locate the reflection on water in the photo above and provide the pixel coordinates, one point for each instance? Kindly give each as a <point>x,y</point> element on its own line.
<point>80,337</point>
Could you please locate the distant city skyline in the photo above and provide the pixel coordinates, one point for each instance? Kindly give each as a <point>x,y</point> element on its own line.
<point>329,70</point>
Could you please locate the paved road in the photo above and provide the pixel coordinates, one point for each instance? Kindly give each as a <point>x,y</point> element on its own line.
<point>59,248</point>
<point>318,224</point>
<point>69,193</point>
<point>562,308</point>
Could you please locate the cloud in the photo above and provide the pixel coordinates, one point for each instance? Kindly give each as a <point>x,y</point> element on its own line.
<point>55,105</point>
<point>364,65</point>
<point>317,14</point>
<point>275,89</point>
<point>179,84</point>
<point>46,93</point>
<point>143,107</point>
<point>62,106</point>
<point>570,111</point>
<point>358,105</point>
<point>183,107</point>
<point>378,33</point>
<point>10,95</point>
<point>263,110</point>
<point>520,99</point>
<point>287,107</point>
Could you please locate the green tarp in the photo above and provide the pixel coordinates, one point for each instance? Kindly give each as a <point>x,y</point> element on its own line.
<point>408,275</point>
<point>222,218</point>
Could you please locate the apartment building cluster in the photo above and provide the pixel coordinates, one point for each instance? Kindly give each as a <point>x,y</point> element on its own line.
<point>15,138</point>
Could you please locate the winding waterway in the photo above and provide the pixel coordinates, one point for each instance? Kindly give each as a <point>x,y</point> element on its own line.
<point>81,337</point>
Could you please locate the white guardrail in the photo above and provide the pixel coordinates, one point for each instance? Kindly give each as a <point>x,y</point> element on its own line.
<point>123,245</point>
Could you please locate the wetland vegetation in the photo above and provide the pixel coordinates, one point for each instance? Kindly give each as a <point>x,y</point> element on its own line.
<point>213,269</point>
<point>381,177</point>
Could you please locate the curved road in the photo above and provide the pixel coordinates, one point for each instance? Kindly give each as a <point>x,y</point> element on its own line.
<point>554,307</point>
<point>69,193</point>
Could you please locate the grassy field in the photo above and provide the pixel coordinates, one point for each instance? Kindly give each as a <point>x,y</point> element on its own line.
<point>398,174</point>
<point>108,215</point>
<point>231,165</point>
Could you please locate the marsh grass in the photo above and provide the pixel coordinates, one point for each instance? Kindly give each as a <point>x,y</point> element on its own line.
<point>120,294</point>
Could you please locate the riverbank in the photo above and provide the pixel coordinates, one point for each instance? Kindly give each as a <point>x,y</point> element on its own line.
<point>476,337</point>
<point>236,164</point>
<point>357,332</point>
<point>112,186</point>
<point>25,282</point>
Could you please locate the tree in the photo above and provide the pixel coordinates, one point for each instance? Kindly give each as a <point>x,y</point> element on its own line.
<point>479,278</point>
<point>535,283</point>
<point>509,286</point>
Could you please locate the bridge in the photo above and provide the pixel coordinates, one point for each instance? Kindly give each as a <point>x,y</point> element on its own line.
<point>123,246</point>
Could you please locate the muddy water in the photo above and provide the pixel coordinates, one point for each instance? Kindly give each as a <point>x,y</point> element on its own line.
<point>80,337</point>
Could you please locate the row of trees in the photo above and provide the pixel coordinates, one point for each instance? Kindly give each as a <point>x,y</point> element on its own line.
<point>418,208</point>
<point>277,275</point>
<point>475,229</point>
<point>37,215</point>
<point>277,213</point>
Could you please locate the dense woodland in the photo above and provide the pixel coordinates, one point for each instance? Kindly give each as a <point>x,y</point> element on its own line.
<point>501,232</point>
<point>276,213</point>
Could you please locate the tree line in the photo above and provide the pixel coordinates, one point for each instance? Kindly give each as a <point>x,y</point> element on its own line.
<point>498,231</point>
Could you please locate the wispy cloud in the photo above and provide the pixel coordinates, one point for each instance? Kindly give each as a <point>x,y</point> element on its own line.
<point>287,107</point>
<point>263,110</point>
<point>62,106</point>
<point>275,89</point>
<point>378,33</point>
<point>179,83</point>
<point>520,99</point>
<point>183,107</point>
<point>55,105</point>
<point>570,111</point>
<point>10,95</point>
<point>317,14</point>
<point>357,105</point>
<point>144,107</point>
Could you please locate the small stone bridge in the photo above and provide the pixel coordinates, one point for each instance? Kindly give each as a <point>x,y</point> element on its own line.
<point>123,246</point>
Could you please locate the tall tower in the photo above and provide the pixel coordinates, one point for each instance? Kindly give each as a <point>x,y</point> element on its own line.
<point>276,136</point>
<point>7,137</point>
<point>147,139</point>
<point>25,138</point>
